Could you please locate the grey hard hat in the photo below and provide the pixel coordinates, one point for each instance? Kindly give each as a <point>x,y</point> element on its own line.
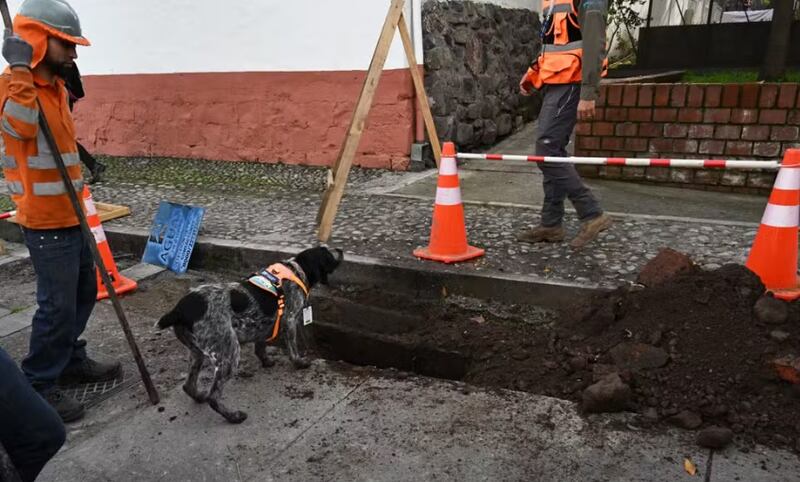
<point>57,14</point>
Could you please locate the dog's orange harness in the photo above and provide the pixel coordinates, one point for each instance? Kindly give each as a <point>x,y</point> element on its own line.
<point>271,280</point>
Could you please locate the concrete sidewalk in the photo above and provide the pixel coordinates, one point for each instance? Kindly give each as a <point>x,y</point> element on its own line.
<point>323,424</point>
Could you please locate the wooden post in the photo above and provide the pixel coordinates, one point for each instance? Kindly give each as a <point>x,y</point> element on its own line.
<point>710,11</point>
<point>419,86</point>
<point>341,169</point>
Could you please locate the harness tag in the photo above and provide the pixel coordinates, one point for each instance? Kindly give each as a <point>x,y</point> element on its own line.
<point>308,316</point>
<point>271,277</point>
<point>264,283</point>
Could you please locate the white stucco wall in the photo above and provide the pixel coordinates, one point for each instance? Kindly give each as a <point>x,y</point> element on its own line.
<point>167,36</point>
<point>526,4</point>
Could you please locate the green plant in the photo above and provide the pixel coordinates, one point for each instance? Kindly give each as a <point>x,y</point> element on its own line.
<point>623,16</point>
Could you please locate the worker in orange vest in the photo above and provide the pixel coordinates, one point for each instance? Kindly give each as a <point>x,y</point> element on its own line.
<point>43,46</point>
<point>567,72</point>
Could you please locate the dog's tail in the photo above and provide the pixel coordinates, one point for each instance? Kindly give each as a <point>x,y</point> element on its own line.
<point>170,319</point>
<point>188,310</point>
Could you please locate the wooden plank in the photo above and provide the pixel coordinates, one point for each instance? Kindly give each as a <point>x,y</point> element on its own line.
<point>105,211</point>
<point>333,195</point>
<point>419,87</point>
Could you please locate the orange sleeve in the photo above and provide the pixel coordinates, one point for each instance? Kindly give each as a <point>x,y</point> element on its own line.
<point>20,112</point>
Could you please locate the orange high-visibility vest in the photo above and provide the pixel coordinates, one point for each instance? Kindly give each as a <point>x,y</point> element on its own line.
<point>562,46</point>
<point>29,167</point>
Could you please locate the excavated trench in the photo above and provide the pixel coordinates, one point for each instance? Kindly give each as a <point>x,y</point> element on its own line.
<point>452,337</point>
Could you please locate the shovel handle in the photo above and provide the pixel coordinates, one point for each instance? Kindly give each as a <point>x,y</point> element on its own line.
<point>6,16</point>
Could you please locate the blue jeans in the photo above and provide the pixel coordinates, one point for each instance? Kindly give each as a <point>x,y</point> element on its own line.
<point>66,290</point>
<point>30,429</point>
<point>557,119</point>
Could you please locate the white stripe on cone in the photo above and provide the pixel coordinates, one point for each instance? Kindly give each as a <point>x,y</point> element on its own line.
<point>778,216</point>
<point>788,179</point>
<point>448,167</point>
<point>91,210</point>
<point>448,196</point>
<point>99,234</point>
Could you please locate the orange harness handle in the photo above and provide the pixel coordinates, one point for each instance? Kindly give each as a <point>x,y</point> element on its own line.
<point>282,272</point>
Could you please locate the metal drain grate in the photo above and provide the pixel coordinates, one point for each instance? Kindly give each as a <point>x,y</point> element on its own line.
<point>91,394</point>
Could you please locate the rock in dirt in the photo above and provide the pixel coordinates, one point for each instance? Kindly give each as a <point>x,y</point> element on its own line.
<point>650,414</point>
<point>666,265</point>
<point>638,356</point>
<point>686,419</point>
<point>771,311</point>
<point>715,437</point>
<point>779,336</point>
<point>579,363</point>
<point>608,395</point>
<point>601,370</point>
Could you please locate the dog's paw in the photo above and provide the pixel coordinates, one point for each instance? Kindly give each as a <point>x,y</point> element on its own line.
<point>267,362</point>
<point>301,363</point>
<point>236,417</point>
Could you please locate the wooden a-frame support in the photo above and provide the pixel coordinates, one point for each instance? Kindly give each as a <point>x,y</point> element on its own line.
<point>395,20</point>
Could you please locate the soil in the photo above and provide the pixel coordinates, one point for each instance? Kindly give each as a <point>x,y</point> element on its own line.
<point>689,348</point>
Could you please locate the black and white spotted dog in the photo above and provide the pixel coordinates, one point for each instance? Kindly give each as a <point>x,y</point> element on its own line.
<point>214,320</point>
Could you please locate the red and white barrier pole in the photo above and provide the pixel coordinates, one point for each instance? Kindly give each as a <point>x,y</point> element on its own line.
<point>621,161</point>
<point>7,215</point>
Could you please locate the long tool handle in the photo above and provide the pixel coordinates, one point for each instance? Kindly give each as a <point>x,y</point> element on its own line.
<point>89,236</point>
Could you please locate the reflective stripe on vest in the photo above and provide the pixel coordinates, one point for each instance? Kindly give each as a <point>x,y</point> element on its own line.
<point>19,111</point>
<point>9,162</point>
<point>559,8</point>
<point>55,188</point>
<point>15,187</point>
<point>9,129</point>
<point>578,44</point>
<point>45,159</point>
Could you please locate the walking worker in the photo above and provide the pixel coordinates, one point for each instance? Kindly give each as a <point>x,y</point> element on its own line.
<point>567,73</point>
<point>42,48</point>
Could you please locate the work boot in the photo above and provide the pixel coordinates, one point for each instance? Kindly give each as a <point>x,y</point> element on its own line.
<point>542,234</point>
<point>68,408</point>
<point>590,229</point>
<point>90,371</point>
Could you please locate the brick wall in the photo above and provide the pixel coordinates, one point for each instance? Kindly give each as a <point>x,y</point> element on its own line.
<point>746,121</point>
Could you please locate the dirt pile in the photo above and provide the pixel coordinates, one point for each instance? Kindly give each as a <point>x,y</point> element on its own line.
<point>693,349</point>
<point>688,352</point>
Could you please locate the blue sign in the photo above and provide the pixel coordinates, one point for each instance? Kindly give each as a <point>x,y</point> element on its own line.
<point>173,236</point>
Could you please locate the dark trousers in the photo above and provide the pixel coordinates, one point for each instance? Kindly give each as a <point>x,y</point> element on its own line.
<point>30,430</point>
<point>66,289</point>
<point>557,120</point>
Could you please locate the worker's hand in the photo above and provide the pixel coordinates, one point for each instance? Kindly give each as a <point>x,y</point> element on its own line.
<point>525,86</point>
<point>586,110</point>
<point>17,52</point>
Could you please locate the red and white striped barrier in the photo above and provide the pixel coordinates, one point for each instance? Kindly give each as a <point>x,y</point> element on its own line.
<point>7,215</point>
<point>631,161</point>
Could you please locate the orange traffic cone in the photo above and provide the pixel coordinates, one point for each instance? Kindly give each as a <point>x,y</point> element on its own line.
<point>448,242</point>
<point>121,284</point>
<point>773,256</point>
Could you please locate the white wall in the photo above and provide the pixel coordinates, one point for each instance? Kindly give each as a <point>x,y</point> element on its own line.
<point>526,4</point>
<point>167,36</point>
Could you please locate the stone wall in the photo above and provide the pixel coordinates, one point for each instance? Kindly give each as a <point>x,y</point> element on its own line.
<point>747,121</point>
<point>475,55</point>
